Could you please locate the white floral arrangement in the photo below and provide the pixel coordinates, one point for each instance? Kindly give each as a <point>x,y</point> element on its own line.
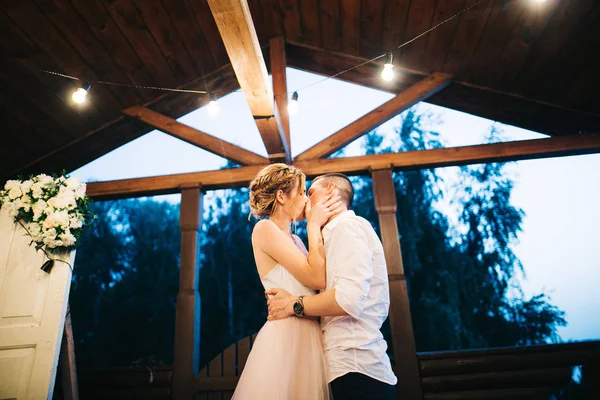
<point>53,210</point>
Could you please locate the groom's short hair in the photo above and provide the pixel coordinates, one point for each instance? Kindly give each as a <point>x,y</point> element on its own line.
<point>341,182</point>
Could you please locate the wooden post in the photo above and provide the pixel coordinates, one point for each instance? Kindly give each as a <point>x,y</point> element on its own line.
<point>67,361</point>
<point>405,355</point>
<point>187,318</point>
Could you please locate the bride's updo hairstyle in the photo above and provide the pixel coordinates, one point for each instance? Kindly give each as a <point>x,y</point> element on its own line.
<point>271,179</point>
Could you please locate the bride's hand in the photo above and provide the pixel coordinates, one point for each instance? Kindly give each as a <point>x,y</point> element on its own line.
<point>325,208</point>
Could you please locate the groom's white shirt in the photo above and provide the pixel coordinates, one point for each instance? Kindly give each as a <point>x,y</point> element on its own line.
<point>357,271</point>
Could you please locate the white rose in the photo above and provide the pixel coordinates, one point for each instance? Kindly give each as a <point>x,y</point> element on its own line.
<point>60,218</point>
<point>75,222</point>
<point>11,184</point>
<point>80,191</point>
<point>25,186</point>
<point>44,179</point>
<point>14,193</point>
<point>36,190</point>
<point>34,229</point>
<point>13,210</point>
<point>48,222</point>
<point>72,182</point>
<point>38,209</point>
<point>67,238</point>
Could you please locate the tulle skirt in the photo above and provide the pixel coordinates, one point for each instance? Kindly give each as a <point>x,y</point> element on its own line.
<point>287,362</point>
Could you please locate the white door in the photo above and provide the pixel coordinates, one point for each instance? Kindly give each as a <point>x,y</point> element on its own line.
<point>33,304</point>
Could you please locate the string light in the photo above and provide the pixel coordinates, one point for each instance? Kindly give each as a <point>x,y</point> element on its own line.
<point>213,106</point>
<point>80,94</point>
<point>293,104</point>
<point>388,68</point>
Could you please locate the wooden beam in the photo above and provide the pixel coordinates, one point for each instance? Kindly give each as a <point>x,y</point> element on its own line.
<point>187,315</point>
<point>239,177</point>
<point>411,96</point>
<point>241,42</point>
<point>279,77</point>
<point>197,138</point>
<point>68,367</point>
<point>406,364</point>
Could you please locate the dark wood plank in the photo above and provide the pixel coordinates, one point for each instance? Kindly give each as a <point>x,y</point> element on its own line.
<point>209,29</point>
<point>418,92</point>
<point>555,37</point>
<point>43,34</point>
<point>291,16</point>
<point>309,18</point>
<point>243,350</point>
<point>406,365</point>
<point>350,21</point>
<point>486,66</point>
<point>395,21</point>
<point>79,35</point>
<point>43,131</point>
<point>329,18</point>
<point>239,177</point>
<point>420,16</point>
<point>215,370</point>
<point>108,33</point>
<point>187,315</point>
<point>438,42</point>
<point>195,137</point>
<point>194,41</point>
<point>274,18</point>
<point>529,28</point>
<point>166,36</point>
<point>67,361</point>
<point>554,70</point>
<point>20,70</point>
<point>371,28</point>
<point>544,377</point>
<point>500,394</point>
<point>467,37</point>
<point>259,20</point>
<point>130,22</point>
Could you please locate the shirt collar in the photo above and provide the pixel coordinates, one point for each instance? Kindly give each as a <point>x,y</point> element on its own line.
<point>330,225</point>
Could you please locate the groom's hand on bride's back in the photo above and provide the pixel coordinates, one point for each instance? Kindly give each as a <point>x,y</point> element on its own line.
<point>281,304</point>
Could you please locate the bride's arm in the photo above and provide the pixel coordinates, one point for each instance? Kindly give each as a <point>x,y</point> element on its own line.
<point>268,238</point>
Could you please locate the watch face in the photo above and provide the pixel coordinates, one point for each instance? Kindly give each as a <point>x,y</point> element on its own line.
<point>298,308</point>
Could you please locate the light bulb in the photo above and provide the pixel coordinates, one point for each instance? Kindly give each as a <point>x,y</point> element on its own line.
<point>293,104</point>
<point>213,106</point>
<point>388,68</point>
<point>79,95</point>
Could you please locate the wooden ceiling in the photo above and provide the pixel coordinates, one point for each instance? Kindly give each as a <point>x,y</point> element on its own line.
<point>515,61</point>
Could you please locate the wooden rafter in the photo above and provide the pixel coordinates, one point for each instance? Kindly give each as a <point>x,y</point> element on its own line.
<point>279,77</point>
<point>417,92</point>
<point>193,136</point>
<point>238,177</point>
<point>239,36</point>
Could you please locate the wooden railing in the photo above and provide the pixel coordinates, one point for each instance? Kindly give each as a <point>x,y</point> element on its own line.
<point>531,372</point>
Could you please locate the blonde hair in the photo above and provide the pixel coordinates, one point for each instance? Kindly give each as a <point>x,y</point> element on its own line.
<point>266,184</point>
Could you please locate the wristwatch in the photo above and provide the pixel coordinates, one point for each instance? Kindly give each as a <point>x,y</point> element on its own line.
<point>299,307</point>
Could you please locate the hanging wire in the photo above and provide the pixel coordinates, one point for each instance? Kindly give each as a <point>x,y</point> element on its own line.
<point>278,94</point>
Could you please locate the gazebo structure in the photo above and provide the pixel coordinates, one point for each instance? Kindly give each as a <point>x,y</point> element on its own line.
<point>520,62</point>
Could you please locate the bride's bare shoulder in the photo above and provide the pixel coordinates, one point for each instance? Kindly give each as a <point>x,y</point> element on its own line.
<point>263,228</point>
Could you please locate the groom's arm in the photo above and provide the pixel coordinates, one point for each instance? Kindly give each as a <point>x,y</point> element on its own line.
<point>350,254</point>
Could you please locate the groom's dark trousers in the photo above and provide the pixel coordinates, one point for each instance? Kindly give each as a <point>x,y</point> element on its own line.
<point>355,386</point>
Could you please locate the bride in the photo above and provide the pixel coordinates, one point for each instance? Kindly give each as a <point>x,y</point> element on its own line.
<point>287,359</point>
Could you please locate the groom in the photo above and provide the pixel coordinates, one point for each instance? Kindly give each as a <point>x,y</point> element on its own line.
<point>354,303</point>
